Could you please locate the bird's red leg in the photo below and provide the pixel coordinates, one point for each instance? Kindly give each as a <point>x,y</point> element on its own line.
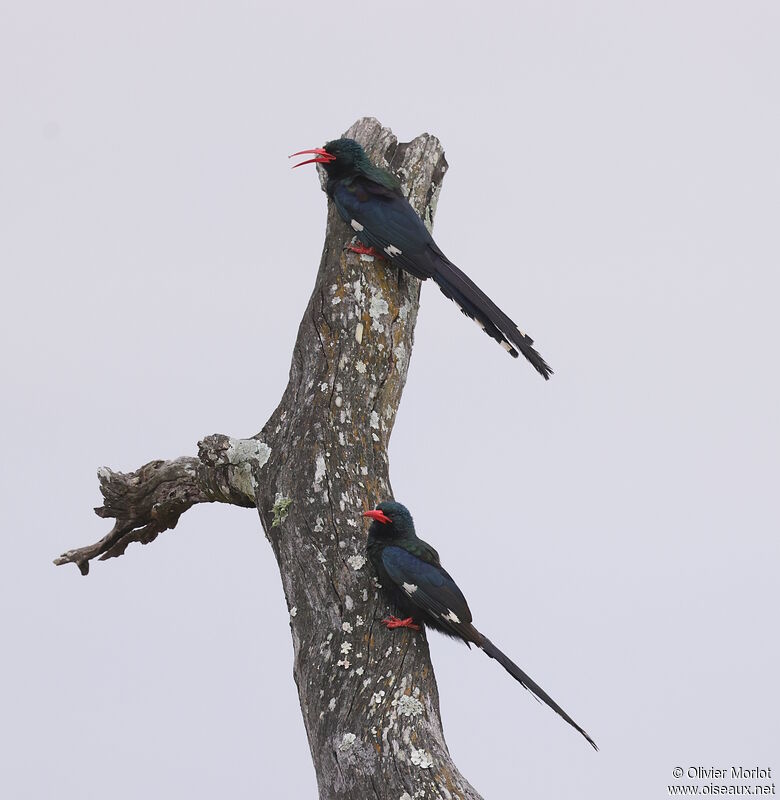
<point>394,622</point>
<point>363,250</point>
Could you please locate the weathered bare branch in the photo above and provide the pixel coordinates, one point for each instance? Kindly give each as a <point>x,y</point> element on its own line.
<point>150,500</point>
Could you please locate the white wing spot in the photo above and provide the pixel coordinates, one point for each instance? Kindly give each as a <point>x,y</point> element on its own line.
<point>506,346</point>
<point>479,324</point>
<point>392,250</point>
<point>356,226</point>
<point>451,616</point>
<point>410,587</point>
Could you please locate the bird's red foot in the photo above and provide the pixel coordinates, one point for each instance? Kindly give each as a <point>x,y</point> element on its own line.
<point>363,250</point>
<point>394,622</point>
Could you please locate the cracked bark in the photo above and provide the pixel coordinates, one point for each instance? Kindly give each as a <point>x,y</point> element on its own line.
<point>368,695</point>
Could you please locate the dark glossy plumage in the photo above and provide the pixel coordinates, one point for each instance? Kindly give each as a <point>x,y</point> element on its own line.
<point>370,200</point>
<point>411,575</point>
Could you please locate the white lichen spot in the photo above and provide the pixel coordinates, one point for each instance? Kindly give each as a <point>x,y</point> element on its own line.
<point>400,355</point>
<point>345,648</point>
<point>404,310</point>
<point>319,523</point>
<point>335,301</point>
<point>321,558</point>
<point>405,796</point>
<point>347,742</point>
<point>344,663</point>
<point>365,595</point>
<point>421,758</point>
<point>342,442</point>
<point>351,523</point>
<point>329,637</point>
<point>346,627</point>
<point>332,704</point>
<point>324,387</point>
<point>374,437</point>
<point>377,308</point>
<point>359,333</point>
<point>364,470</point>
<point>360,367</point>
<point>319,472</point>
<point>348,603</point>
<point>293,611</point>
<point>376,698</point>
<point>373,420</point>
<point>408,706</point>
<point>359,670</point>
<point>338,401</point>
<point>359,621</point>
<point>356,562</point>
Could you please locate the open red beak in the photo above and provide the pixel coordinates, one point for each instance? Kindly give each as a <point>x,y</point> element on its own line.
<point>377,515</point>
<point>324,157</point>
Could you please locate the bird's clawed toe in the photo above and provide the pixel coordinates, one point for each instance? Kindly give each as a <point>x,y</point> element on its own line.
<point>363,250</point>
<point>394,622</point>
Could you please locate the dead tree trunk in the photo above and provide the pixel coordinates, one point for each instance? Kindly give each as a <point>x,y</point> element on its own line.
<point>368,695</point>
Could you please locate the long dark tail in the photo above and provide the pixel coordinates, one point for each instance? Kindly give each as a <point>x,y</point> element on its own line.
<point>520,676</point>
<point>476,305</point>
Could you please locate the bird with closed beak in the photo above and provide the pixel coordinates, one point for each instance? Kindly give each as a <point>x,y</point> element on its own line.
<point>421,589</point>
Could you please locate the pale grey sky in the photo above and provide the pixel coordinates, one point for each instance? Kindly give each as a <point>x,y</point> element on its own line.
<point>613,183</point>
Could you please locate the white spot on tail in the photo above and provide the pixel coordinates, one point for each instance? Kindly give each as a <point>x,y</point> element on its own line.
<point>479,324</point>
<point>356,226</point>
<point>392,250</point>
<point>506,346</point>
<point>410,587</point>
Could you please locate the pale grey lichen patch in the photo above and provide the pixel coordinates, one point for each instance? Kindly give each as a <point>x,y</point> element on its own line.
<point>421,758</point>
<point>373,420</point>
<point>360,367</point>
<point>280,509</point>
<point>347,742</point>
<point>400,356</point>
<point>346,627</point>
<point>356,562</point>
<point>293,611</point>
<point>239,451</point>
<point>359,333</point>
<point>408,706</point>
<point>319,472</point>
<point>244,479</point>
<point>376,309</point>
